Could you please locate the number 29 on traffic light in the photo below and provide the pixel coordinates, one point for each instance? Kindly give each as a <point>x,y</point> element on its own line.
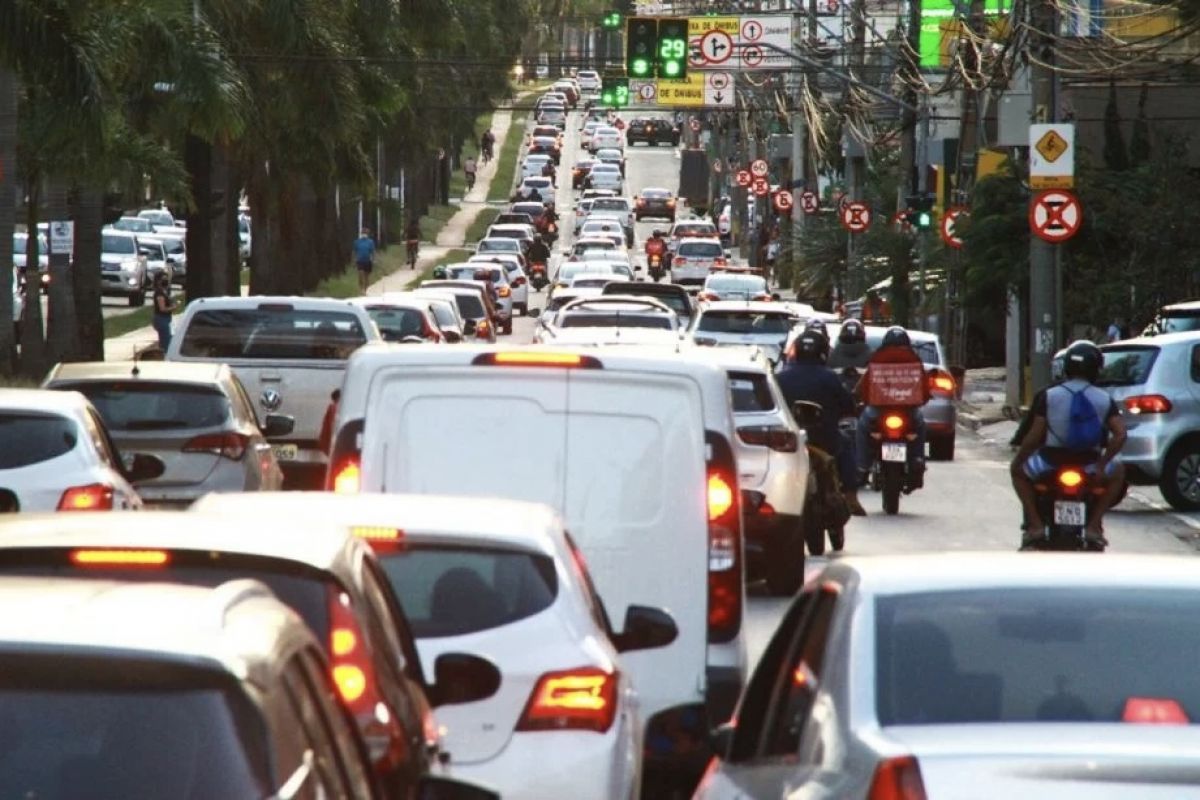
<point>672,48</point>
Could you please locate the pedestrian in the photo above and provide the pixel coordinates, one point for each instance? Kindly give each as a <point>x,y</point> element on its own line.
<point>486,142</point>
<point>469,170</point>
<point>1116,330</point>
<point>163,307</point>
<point>364,258</point>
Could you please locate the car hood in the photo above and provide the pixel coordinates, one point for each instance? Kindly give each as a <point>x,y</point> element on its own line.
<point>116,258</point>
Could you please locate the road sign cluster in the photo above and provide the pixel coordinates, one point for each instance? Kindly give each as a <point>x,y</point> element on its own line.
<point>740,43</point>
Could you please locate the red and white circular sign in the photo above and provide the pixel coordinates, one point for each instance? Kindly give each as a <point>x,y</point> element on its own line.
<point>752,56</point>
<point>695,54</point>
<point>809,202</point>
<point>744,178</point>
<point>856,216</point>
<point>1055,215</point>
<point>716,47</point>
<point>783,201</point>
<point>752,30</point>
<point>949,235</point>
<point>759,168</point>
<point>761,187</point>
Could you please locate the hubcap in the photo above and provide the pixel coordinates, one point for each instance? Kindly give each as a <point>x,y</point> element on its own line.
<point>1187,477</point>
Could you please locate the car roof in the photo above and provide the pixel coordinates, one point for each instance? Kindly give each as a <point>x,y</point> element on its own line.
<point>238,627</point>
<point>461,285</point>
<point>942,572</point>
<point>174,371</point>
<point>42,400</point>
<point>258,300</point>
<point>1161,340</point>
<point>749,307</point>
<point>682,222</point>
<point>619,302</point>
<point>1189,305</point>
<point>749,357</point>
<point>492,520</point>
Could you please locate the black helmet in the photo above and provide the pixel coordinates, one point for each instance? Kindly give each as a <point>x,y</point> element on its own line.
<point>896,337</point>
<point>1083,360</point>
<point>817,325</point>
<point>811,345</point>
<point>853,332</point>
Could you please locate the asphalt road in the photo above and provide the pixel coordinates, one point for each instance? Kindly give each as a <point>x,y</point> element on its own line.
<point>967,504</point>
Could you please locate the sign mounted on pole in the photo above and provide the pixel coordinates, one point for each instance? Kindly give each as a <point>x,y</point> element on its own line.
<point>741,43</point>
<point>1052,156</point>
<point>759,168</point>
<point>643,91</point>
<point>716,47</point>
<point>761,187</point>
<point>856,216</point>
<point>950,219</point>
<point>809,202</point>
<point>783,201</point>
<point>744,178</point>
<point>718,90</point>
<point>688,92</point>
<point>1055,215</point>
<point>62,237</point>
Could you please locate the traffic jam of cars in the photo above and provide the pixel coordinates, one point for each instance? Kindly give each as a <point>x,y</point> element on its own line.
<point>562,521</point>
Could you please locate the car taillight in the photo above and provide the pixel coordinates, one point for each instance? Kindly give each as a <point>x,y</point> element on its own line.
<point>670,203</point>
<point>1154,711</point>
<point>350,663</point>
<point>347,479</point>
<point>228,445</point>
<point>679,260</point>
<point>576,699</point>
<point>719,262</point>
<point>345,460</point>
<point>707,295</point>
<point>1147,404</point>
<point>93,497</point>
<point>897,779</point>
<point>941,383</point>
<point>772,436</point>
<point>641,202</point>
<point>723,501</point>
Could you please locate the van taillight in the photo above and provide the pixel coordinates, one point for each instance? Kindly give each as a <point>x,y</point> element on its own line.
<point>897,779</point>
<point>344,475</point>
<point>93,497</point>
<point>577,699</point>
<point>723,502</point>
<point>1147,404</point>
<point>350,664</point>
<point>773,436</point>
<point>229,445</point>
<point>347,479</point>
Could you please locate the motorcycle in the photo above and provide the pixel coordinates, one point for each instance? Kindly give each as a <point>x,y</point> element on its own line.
<point>654,263</point>
<point>537,276</point>
<point>1066,499</point>
<point>889,468</point>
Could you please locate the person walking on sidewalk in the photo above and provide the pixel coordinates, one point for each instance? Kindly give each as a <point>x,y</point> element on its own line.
<point>412,239</point>
<point>364,258</point>
<point>163,307</point>
<point>486,143</point>
<point>469,170</point>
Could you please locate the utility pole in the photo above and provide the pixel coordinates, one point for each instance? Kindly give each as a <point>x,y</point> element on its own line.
<point>856,160</point>
<point>1043,279</point>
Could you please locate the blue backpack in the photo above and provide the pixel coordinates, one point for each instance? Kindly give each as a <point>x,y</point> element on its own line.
<point>1085,431</point>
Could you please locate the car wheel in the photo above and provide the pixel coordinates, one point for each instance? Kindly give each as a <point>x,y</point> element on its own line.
<point>785,567</point>
<point>138,298</point>
<point>1180,481</point>
<point>941,448</point>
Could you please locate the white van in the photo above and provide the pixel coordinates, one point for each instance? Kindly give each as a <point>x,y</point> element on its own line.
<point>633,449</point>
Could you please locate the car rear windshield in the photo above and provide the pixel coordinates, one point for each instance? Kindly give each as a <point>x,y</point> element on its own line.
<point>609,204</point>
<point>121,727</point>
<point>746,284</point>
<point>744,322</point>
<point>470,306</point>
<point>694,230</point>
<point>701,249</point>
<point>395,323</point>
<point>676,301</point>
<point>469,273</point>
<point>451,591</point>
<point>272,333</point>
<point>1126,365</point>
<point>118,244</point>
<point>1028,655</point>
<point>153,406</point>
<point>491,245</point>
<point>750,392</point>
<point>31,438</point>
<point>615,320</point>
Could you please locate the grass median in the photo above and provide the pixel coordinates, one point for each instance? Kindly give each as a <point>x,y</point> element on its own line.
<point>506,166</point>
<point>482,222</point>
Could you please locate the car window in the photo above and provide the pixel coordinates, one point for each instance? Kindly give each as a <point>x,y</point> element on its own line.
<point>1179,322</point>
<point>746,285</point>
<point>104,448</point>
<point>1126,365</point>
<point>111,243</point>
<point>31,438</point>
<point>270,332</point>
<point>470,306</point>
<point>751,392</point>
<point>305,700</point>
<point>395,322</point>
<point>798,682</point>
<point>744,322</point>
<point>153,405</point>
<point>451,591</point>
<point>592,319</point>
<point>444,315</point>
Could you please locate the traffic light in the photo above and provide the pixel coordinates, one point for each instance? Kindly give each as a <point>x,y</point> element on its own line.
<point>614,92</point>
<point>641,37</point>
<point>920,211</point>
<point>672,48</point>
<point>612,20</point>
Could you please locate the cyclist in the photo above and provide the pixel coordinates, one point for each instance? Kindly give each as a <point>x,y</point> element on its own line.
<point>469,170</point>
<point>412,238</point>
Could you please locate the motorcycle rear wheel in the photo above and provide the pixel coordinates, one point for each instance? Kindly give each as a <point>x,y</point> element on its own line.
<point>892,480</point>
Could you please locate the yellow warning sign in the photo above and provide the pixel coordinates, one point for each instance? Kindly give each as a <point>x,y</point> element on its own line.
<point>687,92</point>
<point>698,26</point>
<point>1051,146</point>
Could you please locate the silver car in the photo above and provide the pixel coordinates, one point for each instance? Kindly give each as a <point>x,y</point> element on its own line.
<point>1154,381</point>
<point>122,268</point>
<point>196,418</point>
<point>997,675</point>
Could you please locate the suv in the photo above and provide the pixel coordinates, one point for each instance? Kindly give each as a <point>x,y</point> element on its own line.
<point>693,259</point>
<point>123,269</point>
<point>1156,384</point>
<point>652,132</point>
<point>289,353</point>
<point>672,295</point>
<point>589,80</point>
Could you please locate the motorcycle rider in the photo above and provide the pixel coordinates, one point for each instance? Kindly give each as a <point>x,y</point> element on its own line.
<point>656,245</point>
<point>896,348</point>
<point>850,350</point>
<point>538,253</point>
<point>1055,421</point>
<point>805,377</point>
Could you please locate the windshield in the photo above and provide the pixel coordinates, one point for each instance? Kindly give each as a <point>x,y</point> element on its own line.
<point>1126,365</point>
<point>498,246</point>
<point>693,230</point>
<point>110,243</point>
<point>395,322</point>
<point>701,249</point>
<point>744,322</point>
<point>675,301</point>
<point>1179,322</point>
<point>745,285</point>
<point>272,332</point>
<point>469,273</point>
<point>617,319</point>
<point>31,438</point>
<point>1039,655</point>
<point>151,406</point>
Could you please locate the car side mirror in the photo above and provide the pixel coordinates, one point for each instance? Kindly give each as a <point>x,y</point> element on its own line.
<point>534,313</point>
<point>720,739</point>
<point>144,467</point>
<point>469,328</point>
<point>278,425</point>
<point>462,678</point>
<point>451,336</point>
<point>438,787</point>
<point>645,629</point>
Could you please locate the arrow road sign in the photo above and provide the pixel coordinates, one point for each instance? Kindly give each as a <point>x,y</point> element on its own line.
<point>761,187</point>
<point>716,47</point>
<point>949,235</point>
<point>752,56</point>
<point>809,202</point>
<point>1055,215</point>
<point>695,54</point>
<point>752,30</point>
<point>744,178</point>
<point>759,168</point>
<point>856,217</point>
<point>783,201</point>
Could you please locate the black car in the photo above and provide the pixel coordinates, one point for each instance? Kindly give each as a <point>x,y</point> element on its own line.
<point>652,132</point>
<point>656,203</point>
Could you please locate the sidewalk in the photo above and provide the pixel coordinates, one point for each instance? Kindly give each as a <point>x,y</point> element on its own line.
<point>452,236</point>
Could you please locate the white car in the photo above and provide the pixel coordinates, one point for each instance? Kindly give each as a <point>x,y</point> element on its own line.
<point>534,166</point>
<point>589,80</point>
<point>755,323</point>
<point>58,456</point>
<point>603,228</point>
<point>586,280</point>
<point>595,243</point>
<point>518,282</point>
<point>543,186</point>
<point>158,217</point>
<point>405,319</point>
<point>734,285</point>
<point>603,319</point>
<point>605,176</point>
<point>619,207</point>
<point>694,259</point>
<point>500,244</point>
<point>444,309</point>
<point>606,136</point>
<point>123,269</point>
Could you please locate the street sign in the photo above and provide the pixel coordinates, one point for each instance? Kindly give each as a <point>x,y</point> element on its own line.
<point>828,8</point>
<point>744,178</point>
<point>1052,156</point>
<point>856,216</point>
<point>761,187</point>
<point>759,168</point>
<point>644,91</point>
<point>718,90</point>
<point>783,201</point>
<point>62,237</point>
<point>1055,215</point>
<point>688,93</point>
<point>949,235</point>
<point>716,47</point>
<point>809,202</point>
<point>753,42</point>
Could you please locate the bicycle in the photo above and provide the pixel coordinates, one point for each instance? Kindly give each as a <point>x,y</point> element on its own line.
<point>485,153</point>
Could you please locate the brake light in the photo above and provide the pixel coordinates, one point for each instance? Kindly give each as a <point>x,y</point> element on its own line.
<point>719,262</point>
<point>119,558</point>
<point>724,542</point>
<point>680,260</point>
<point>893,422</point>
<point>93,497</point>
<point>897,779</point>
<point>536,358</point>
<point>505,291</point>
<point>1070,478</point>
<point>941,383</point>
<point>763,297</point>
<point>350,664</point>
<point>670,203</point>
<point>1154,711</point>
<point>577,699</point>
<point>720,496</point>
<point>228,445</point>
<point>377,533</point>
<point>348,478</point>
<point>773,436</point>
<point>1147,404</point>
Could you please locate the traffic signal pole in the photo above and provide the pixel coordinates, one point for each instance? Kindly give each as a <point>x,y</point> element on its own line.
<point>1043,278</point>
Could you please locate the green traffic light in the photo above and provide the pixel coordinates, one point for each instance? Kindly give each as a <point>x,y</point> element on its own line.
<point>924,219</point>
<point>671,68</point>
<point>640,67</point>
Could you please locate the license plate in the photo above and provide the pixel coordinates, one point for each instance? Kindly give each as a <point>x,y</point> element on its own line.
<point>894,452</point>
<point>1068,513</point>
<point>285,452</point>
